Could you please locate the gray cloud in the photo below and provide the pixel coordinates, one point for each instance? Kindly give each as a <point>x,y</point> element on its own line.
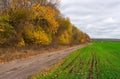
<point>96,17</point>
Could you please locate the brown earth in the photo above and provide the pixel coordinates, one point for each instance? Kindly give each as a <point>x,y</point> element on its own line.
<point>25,68</point>
<point>91,67</point>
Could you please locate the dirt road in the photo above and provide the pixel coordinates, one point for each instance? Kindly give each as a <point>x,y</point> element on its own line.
<point>24,69</point>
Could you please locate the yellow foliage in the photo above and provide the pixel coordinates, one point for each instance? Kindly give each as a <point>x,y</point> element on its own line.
<point>82,40</point>
<point>46,13</point>
<point>37,36</point>
<point>1,30</point>
<point>65,38</point>
<point>37,24</point>
<point>77,35</point>
<point>21,43</point>
<point>6,31</point>
<point>41,37</point>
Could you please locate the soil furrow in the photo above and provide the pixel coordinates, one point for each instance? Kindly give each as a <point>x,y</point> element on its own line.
<point>91,67</point>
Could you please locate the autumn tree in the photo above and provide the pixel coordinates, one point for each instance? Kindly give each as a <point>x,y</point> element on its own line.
<point>64,31</point>
<point>44,16</point>
<point>77,35</point>
<point>36,22</point>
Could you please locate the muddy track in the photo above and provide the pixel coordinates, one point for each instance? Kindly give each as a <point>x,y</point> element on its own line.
<point>96,66</point>
<point>24,69</point>
<point>91,66</point>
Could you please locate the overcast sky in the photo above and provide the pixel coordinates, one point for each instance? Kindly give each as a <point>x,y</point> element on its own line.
<point>98,18</point>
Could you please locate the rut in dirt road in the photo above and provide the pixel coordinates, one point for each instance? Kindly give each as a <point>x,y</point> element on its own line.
<point>26,68</point>
<point>91,66</point>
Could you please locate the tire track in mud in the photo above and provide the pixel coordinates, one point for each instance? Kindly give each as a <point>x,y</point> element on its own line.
<point>96,67</point>
<point>91,66</point>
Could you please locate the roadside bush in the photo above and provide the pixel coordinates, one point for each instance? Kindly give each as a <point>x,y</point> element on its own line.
<point>77,35</point>
<point>44,17</point>
<point>64,24</point>
<point>6,30</point>
<point>36,36</point>
<point>18,18</point>
<point>64,38</point>
<point>64,33</point>
<point>32,23</point>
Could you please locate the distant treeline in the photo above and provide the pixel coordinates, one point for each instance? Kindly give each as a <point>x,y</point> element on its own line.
<point>105,39</point>
<point>36,22</point>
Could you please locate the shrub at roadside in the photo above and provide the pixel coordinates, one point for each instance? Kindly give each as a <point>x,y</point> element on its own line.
<point>36,23</point>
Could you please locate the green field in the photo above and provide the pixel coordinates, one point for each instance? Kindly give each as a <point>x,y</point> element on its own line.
<point>96,61</point>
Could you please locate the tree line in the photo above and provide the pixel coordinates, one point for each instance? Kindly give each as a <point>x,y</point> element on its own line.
<point>36,22</point>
